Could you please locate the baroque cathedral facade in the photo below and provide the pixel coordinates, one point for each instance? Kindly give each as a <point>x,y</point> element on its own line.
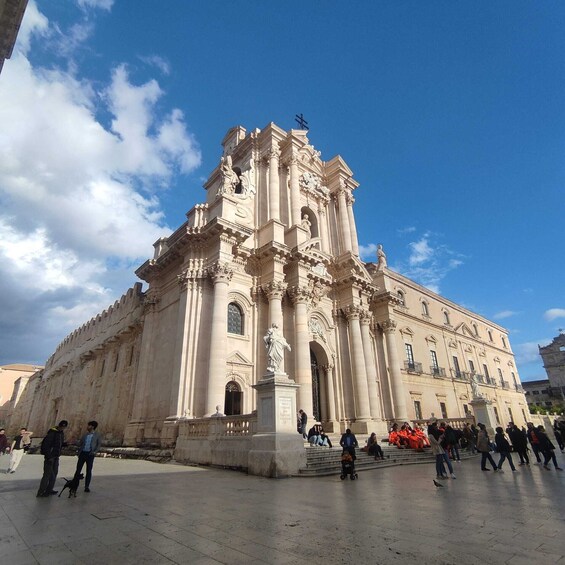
<point>275,242</point>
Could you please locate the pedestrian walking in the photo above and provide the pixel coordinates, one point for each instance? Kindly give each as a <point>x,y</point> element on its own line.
<point>503,447</point>
<point>483,447</point>
<point>20,445</point>
<point>303,419</point>
<point>520,444</point>
<point>534,442</point>
<point>547,448</point>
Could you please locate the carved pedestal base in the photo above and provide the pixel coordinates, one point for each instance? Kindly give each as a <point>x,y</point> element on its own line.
<point>484,414</point>
<point>277,449</point>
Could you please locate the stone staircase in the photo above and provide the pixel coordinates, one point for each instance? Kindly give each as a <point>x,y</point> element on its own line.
<point>322,461</point>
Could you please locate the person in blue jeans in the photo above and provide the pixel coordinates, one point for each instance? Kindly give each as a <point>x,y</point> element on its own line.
<point>88,448</point>
<point>436,437</point>
<point>503,447</point>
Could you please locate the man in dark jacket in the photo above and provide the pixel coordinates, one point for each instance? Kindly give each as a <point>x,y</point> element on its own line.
<point>51,447</point>
<point>519,443</point>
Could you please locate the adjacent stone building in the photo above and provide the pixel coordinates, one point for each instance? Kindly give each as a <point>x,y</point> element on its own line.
<point>275,242</point>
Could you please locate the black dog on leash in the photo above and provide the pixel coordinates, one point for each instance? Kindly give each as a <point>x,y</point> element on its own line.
<point>72,485</point>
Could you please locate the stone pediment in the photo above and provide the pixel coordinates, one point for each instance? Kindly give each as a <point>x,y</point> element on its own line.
<point>237,358</point>
<point>348,266</point>
<point>464,329</point>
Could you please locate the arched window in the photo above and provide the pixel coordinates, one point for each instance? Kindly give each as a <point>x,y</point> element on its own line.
<point>446,317</point>
<point>401,298</point>
<point>235,319</point>
<point>233,399</point>
<point>425,309</point>
<point>475,329</point>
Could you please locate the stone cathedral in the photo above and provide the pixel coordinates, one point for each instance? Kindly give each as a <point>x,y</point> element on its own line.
<point>274,242</point>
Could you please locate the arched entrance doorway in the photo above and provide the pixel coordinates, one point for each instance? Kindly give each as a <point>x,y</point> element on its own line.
<point>233,399</point>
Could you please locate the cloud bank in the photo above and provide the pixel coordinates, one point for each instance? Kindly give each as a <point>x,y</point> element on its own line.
<point>79,199</point>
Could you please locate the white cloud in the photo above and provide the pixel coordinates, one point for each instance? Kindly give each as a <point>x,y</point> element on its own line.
<point>102,4</point>
<point>553,314</point>
<point>409,229</point>
<point>368,252</point>
<point>504,314</point>
<point>157,61</point>
<point>528,352</point>
<point>428,261</point>
<point>79,202</point>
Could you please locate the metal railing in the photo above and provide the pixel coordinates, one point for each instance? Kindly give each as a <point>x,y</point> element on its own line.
<point>437,371</point>
<point>413,367</point>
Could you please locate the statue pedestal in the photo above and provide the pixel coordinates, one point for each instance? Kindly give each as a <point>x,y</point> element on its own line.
<point>484,414</point>
<point>277,449</point>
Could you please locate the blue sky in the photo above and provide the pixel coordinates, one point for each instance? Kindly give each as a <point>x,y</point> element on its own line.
<point>450,114</point>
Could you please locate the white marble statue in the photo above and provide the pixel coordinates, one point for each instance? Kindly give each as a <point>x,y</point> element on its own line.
<point>218,413</point>
<point>475,387</point>
<point>275,344</point>
<point>307,224</point>
<point>229,179</point>
<point>381,258</point>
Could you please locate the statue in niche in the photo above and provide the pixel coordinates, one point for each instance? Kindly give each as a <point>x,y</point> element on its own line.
<point>307,224</point>
<point>381,258</point>
<point>475,387</point>
<point>275,344</point>
<point>248,181</point>
<point>229,179</point>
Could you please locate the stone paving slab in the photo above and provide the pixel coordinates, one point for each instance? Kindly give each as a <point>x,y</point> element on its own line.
<point>141,512</point>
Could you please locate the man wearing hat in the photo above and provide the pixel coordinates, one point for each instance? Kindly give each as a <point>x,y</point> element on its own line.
<point>51,447</point>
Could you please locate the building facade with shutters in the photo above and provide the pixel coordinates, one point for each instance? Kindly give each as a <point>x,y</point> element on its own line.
<point>275,242</point>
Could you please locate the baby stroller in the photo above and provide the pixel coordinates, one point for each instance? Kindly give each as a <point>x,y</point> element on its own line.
<point>348,465</point>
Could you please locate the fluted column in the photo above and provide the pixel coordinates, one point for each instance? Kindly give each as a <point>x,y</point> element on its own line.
<point>221,274</point>
<point>345,232</point>
<point>370,365</point>
<point>354,242</point>
<point>295,191</point>
<point>330,391</point>
<point>303,371</point>
<point>362,408</point>
<point>397,386</point>
<point>274,196</point>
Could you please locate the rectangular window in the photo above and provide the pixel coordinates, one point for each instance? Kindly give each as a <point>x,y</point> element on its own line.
<point>465,409</point>
<point>496,415</point>
<point>410,356</point>
<point>485,369</point>
<point>418,409</point>
<point>443,410</point>
<point>435,365</point>
<point>456,366</point>
<point>510,414</point>
<point>471,366</point>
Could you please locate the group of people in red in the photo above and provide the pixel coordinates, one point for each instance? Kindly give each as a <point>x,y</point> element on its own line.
<point>408,437</point>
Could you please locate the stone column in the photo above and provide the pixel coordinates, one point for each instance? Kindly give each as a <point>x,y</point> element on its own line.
<point>322,222</point>
<point>221,274</point>
<point>135,429</point>
<point>300,296</point>
<point>362,409</point>
<point>345,232</point>
<point>275,291</point>
<point>371,365</point>
<point>397,385</point>
<point>352,227</point>
<point>274,196</point>
<point>330,391</point>
<point>295,190</point>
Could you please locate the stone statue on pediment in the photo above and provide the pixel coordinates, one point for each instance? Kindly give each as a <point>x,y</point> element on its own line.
<point>475,387</point>
<point>307,224</point>
<point>275,344</point>
<point>381,258</point>
<point>229,179</point>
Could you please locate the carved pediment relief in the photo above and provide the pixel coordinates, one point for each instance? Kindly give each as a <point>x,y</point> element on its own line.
<point>464,329</point>
<point>431,339</point>
<point>406,331</point>
<point>497,359</point>
<point>467,348</point>
<point>452,343</point>
<point>237,358</point>
<point>510,363</point>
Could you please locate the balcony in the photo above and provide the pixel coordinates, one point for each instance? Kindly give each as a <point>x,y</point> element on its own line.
<point>460,375</point>
<point>481,379</point>
<point>413,367</point>
<point>438,372</point>
<point>519,388</point>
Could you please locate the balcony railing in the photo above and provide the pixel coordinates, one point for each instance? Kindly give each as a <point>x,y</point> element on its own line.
<point>437,371</point>
<point>461,375</point>
<point>413,367</point>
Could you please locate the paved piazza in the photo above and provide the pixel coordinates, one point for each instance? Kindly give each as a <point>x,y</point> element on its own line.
<point>141,512</point>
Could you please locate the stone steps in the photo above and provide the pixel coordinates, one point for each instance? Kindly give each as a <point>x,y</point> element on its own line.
<point>323,461</point>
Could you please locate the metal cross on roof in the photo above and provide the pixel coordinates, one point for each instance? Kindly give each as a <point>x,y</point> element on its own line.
<point>302,123</point>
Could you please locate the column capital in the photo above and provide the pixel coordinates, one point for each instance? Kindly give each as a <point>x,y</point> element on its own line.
<point>366,317</point>
<point>274,289</point>
<point>388,326</point>
<point>150,301</point>
<point>220,272</point>
<point>274,152</point>
<point>349,199</point>
<point>352,312</point>
<point>300,294</point>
